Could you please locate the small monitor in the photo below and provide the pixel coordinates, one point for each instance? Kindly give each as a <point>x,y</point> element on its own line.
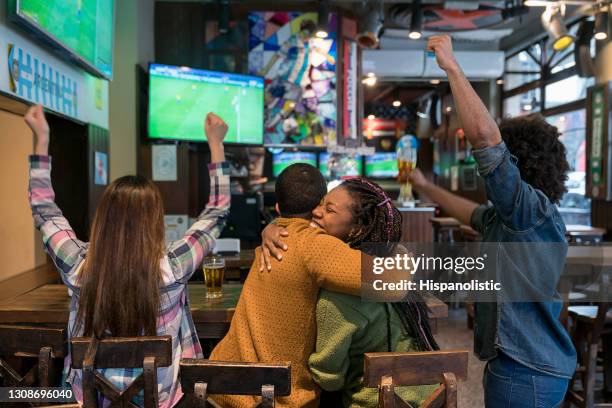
<point>381,166</point>
<point>355,169</point>
<point>281,161</point>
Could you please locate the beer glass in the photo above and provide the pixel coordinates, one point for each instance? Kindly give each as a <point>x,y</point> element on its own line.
<point>214,269</point>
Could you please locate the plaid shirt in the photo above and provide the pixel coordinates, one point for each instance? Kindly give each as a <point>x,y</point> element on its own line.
<point>181,260</point>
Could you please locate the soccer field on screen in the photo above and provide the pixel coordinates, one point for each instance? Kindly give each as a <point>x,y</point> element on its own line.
<point>177,109</point>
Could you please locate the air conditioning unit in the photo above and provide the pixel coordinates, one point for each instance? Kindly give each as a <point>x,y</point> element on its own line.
<point>415,64</point>
<point>393,63</point>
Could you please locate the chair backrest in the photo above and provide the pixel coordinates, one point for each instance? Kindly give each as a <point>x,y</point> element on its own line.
<point>201,377</point>
<point>388,370</point>
<point>147,353</point>
<point>25,341</point>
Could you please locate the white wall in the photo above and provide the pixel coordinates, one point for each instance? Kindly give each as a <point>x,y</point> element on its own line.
<point>134,44</point>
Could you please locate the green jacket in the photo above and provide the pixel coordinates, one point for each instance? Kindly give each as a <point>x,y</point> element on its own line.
<point>346,329</point>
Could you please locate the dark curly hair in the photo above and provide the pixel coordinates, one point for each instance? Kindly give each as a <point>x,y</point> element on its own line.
<point>540,153</point>
<point>378,221</point>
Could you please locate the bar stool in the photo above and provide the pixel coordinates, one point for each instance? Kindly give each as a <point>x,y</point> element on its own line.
<point>443,228</point>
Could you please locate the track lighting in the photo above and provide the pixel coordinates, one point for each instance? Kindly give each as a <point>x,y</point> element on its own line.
<point>416,21</point>
<point>601,25</point>
<point>371,25</point>
<point>323,20</point>
<point>224,16</point>
<point>554,25</point>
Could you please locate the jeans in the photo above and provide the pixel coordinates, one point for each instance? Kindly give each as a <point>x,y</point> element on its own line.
<point>508,384</point>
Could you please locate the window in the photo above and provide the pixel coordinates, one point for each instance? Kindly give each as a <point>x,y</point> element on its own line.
<point>567,90</point>
<point>523,104</point>
<point>574,207</point>
<point>522,68</point>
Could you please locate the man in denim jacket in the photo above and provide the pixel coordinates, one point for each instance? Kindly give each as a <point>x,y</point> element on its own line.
<point>530,355</point>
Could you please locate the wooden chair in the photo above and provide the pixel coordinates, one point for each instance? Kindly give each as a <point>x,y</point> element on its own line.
<point>24,341</point>
<point>147,353</point>
<point>590,325</point>
<point>202,377</point>
<point>388,370</point>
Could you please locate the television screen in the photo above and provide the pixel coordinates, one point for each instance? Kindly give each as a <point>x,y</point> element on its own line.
<point>381,165</point>
<point>180,98</point>
<point>355,168</point>
<point>281,161</point>
<point>81,28</point>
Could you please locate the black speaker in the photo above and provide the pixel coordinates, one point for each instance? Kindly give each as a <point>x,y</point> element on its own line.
<point>585,66</point>
<point>244,220</point>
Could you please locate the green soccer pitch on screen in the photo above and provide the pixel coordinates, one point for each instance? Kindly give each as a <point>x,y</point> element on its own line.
<point>81,29</point>
<point>180,98</point>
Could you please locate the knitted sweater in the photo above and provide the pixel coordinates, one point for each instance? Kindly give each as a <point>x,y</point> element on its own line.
<point>275,319</point>
<point>347,328</point>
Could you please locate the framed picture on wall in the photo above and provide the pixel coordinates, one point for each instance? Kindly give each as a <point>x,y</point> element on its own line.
<point>300,76</point>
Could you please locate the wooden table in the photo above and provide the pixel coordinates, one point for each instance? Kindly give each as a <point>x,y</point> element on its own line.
<point>584,234</point>
<point>49,305</point>
<point>237,266</point>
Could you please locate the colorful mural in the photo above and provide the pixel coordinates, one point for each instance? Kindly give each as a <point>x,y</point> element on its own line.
<point>300,76</point>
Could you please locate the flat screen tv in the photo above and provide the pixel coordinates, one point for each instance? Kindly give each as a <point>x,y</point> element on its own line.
<point>353,171</point>
<point>381,165</point>
<point>180,98</point>
<point>81,30</point>
<point>281,161</point>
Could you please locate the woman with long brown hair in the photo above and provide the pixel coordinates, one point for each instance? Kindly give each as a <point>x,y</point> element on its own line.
<point>125,281</point>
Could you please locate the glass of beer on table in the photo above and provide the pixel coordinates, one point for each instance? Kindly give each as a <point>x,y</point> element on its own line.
<point>214,269</point>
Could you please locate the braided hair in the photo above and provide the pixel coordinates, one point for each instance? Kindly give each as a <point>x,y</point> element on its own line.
<point>378,221</point>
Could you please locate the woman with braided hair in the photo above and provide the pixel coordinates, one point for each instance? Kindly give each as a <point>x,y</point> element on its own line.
<point>359,211</point>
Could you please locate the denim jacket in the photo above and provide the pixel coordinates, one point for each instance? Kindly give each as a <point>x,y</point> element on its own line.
<point>528,332</point>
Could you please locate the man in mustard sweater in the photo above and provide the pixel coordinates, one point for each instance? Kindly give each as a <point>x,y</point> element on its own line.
<point>275,318</point>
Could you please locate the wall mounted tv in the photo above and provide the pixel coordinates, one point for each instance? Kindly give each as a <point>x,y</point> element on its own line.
<point>324,168</point>
<point>180,98</point>
<point>280,161</point>
<point>381,165</point>
<point>80,30</point>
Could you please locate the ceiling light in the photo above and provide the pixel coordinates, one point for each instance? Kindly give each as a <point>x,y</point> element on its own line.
<point>601,26</point>
<point>322,20</point>
<point>416,21</point>
<point>397,103</point>
<point>434,81</point>
<point>554,25</point>
<point>371,117</point>
<point>546,3</point>
<point>224,16</point>
<point>536,3</point>
<point>371,25</point>
<point>369,81</point>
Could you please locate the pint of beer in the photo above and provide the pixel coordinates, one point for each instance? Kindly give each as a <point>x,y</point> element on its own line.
<point>214,269</point>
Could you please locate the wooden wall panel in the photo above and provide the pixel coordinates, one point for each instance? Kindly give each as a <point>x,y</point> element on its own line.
<point>98,142</point>
<point>416,226</point>
<point>601,216</point>
<point>174,193</point>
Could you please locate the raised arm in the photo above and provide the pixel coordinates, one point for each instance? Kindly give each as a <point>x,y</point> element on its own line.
<point>186,254</point>
<point>457,206</point>
<point>59,239</point>
<point>334,265</point>
<point>518,204</point>
<point>480,128</point>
